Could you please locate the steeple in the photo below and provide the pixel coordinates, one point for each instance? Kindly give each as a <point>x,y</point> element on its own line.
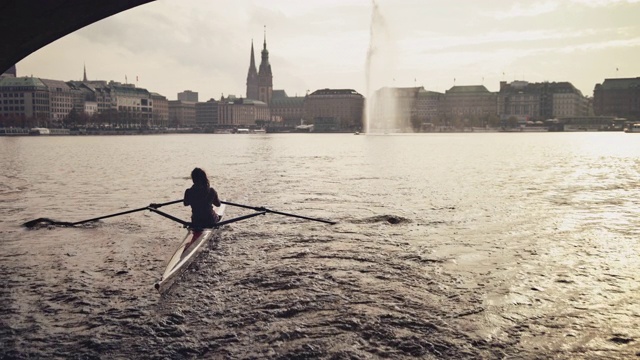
<point>265,77</point>
<point>252,77</point>
<point>85,73</point>
<point>252,61</point>
<point>265,52</point>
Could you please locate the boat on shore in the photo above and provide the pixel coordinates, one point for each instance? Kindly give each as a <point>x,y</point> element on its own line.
<point>189,248</point>
<point>633,128</point>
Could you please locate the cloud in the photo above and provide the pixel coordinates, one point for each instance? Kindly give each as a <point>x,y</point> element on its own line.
<point>529,10</point>
<point>603,3</point>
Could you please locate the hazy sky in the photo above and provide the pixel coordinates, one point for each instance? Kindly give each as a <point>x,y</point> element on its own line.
<point>204,45</point>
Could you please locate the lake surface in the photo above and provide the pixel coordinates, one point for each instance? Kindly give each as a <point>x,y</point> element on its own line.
<point>447,246</point>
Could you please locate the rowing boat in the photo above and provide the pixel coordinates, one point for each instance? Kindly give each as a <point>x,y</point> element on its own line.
<point>188,250</point>
<point>192,243</point>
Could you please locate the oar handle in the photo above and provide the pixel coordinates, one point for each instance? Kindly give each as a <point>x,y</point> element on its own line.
<point>241,206</point>
<point>162,213</point>
<point>155,206</point>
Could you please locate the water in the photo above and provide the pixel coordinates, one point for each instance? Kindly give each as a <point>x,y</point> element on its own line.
<point>448,246</point>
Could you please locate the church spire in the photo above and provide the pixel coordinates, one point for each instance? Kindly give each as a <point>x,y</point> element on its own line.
<point>252,77</point>
<point>252,61</point>
<point>265,77</point>
<point>85,73</point>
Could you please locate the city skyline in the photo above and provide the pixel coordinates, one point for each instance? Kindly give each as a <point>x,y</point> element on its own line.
<point>171,46</point>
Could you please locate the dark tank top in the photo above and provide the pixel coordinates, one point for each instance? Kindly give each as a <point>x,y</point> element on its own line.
<point>201,201</point>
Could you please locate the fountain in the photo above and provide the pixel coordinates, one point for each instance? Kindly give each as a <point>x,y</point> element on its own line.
<point>381,115</point>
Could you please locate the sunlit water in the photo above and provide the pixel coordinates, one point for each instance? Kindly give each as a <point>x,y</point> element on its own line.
<point>447,246</point>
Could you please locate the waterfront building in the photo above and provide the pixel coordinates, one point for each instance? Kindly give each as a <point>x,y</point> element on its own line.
<point>207,114</point>
<point>345,106</point>
<point>90,108</point>
<point>404,108</point>
<point>160,110</point>
<point>471,105</point>
<point>427,106</point>
<point>84,99</point>
<point>618,97</point>
<point>134,105</point>
<point>61,99</point>
<point>234,112</point>
<point>24,98</point>
<point>541,101</point>
<point>101,94</point>
<point>182,113</point>
<point>288,109</point>
<point>519,99</point>
<point>188,95</point>
<point>570,103</point>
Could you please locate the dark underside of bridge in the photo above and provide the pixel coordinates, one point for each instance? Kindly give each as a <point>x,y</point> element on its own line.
<point>28,25</point>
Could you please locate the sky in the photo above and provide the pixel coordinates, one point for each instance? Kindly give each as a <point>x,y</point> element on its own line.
<point>202,45</point>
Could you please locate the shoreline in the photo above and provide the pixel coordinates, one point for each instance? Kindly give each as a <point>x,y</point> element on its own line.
<point>25,132</point>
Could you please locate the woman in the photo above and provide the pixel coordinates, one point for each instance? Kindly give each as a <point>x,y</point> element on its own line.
<point>201,197</point>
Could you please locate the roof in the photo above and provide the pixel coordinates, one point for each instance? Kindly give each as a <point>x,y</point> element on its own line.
<point>55,84</point>
<point>539,87</point>
<point>293,101</point>
<point>619,84</point>
<point>468,89</point>
<point>278,94</point>
<point>335,92</point>
<point>22,81</point>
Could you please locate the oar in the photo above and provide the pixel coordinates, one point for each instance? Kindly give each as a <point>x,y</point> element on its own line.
<point>278,212</point>
<point>47,221</point>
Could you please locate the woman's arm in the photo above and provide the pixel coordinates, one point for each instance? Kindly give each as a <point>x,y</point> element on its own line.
<point>215,199</point>
<point>185,200</point>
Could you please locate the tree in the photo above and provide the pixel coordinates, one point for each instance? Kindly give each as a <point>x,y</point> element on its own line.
<point>71,120</point>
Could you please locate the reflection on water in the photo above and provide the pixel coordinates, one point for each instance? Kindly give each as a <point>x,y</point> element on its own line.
<point>448,245</point>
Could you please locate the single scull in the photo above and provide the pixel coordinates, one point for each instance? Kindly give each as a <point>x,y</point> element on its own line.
<point>193,242</point>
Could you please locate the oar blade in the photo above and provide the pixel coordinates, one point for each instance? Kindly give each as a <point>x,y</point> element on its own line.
<point>44,222</point>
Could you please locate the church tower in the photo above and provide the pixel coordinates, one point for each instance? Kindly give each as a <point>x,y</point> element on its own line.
<point>252,78</point>
<point>265,77</point>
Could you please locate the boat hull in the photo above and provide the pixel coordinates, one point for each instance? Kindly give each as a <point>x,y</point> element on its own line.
<point>189,248</point>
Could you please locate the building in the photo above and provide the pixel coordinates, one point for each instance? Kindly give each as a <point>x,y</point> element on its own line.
<point>182,113</point>
<point>61,99</point>
<point>238,112</point>
<point>403,108</point>
<point>207,114</point>
<point>25,98</point>
<point>260,82</point>
<point>288,109</point>
<point>618,97</point>
<point>345,106</point>
<point>471,105</point>
<point>160,111</point>
<point>188,95</point>
<point>541,101</point>
<point>521,100</point>
<point>134,105</point>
